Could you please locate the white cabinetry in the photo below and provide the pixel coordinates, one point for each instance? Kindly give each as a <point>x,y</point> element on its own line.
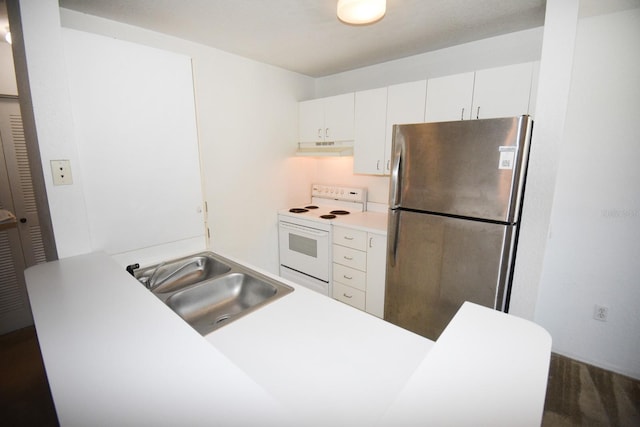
<point>359,269</point>
<point>484,94</point>
<point>449,98</point>
<point>370,131</point>
<point>326,119</point>
<point>377,111</point>
<point>376,273</point>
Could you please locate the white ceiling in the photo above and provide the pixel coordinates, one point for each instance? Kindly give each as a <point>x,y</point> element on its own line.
<point>305,36</point>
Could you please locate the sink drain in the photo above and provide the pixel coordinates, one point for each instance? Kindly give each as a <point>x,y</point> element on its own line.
<point>222,318</point>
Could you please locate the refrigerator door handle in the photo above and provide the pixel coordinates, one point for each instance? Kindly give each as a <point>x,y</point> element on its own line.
<point>394,224</point>
<point>396,173</point>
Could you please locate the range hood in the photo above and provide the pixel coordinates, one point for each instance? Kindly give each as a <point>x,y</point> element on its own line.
<point>325,149</point>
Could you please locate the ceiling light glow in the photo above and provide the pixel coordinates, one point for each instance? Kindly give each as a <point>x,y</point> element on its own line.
<point>361,12</point>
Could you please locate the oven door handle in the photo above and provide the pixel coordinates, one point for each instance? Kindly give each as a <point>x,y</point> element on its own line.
<point>306,230</point>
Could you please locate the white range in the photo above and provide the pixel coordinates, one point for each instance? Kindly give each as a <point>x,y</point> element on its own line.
<point>305,234</point>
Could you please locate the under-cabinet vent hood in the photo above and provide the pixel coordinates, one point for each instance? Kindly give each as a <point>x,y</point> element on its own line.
<point>324,149</point>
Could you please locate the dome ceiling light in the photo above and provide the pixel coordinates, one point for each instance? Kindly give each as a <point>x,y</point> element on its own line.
<point>361,12</point>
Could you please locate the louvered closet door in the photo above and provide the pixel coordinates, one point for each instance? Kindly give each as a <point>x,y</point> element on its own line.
<point>22,246</point>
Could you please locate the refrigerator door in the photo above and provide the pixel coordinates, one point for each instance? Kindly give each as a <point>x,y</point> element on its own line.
<point>435,263</point>
<point>471,168</point>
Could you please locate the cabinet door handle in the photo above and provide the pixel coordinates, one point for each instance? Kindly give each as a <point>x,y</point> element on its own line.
<point>388,164</point>
<point>319,133</point>
<point>347,296</point>
<point>462,114</point>
<point>348,258</point>
<point>478,113</point>
<point>326,133</point>
<point>378,165</point>
<point>347,277</point>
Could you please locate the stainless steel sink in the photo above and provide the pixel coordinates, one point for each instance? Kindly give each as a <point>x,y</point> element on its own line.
<point>209,291</point>
<point>209,304</point>
<point>177,274</point>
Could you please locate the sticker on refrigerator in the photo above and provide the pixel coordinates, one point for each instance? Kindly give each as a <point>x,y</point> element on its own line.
<point>507,157</point>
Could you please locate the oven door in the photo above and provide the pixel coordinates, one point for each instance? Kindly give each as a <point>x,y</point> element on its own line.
<point>304,249</point>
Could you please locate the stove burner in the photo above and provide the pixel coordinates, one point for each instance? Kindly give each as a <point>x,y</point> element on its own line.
<point>340,212</point>
<point>327,216</point>
<point>298,210</point>
<point>311,207</point>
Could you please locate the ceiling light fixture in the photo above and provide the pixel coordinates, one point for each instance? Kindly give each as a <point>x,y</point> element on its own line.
<point>361,12</point>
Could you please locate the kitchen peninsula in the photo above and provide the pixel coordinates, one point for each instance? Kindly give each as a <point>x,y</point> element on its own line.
<point>116,355</point>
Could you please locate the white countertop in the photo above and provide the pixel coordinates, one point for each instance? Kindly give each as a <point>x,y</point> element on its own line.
<point>116,355</point>
<point>374,222</point>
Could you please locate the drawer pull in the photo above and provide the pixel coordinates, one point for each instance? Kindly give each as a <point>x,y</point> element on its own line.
<point>348,238</point>
<point>348,258</point>
<point>347,296</point>
<point>347,277</point>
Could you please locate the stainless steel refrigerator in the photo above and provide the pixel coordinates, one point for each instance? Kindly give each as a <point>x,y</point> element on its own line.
<point>455,201</point>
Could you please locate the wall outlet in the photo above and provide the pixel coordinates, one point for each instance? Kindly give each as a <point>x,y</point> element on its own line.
<point>61,170</point>
<point>601,313</point>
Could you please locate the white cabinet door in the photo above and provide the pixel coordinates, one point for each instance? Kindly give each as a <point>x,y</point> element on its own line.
<point>311,120</point>
<point>376,270</point>
<point>326,119</point>
<point>405,104</point>
<point>338,117</point>
<point>449,98</point>
<point>370,126</point>
<point>502,92</point>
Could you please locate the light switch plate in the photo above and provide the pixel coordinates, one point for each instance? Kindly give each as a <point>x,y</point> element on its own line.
<point>61,170</point>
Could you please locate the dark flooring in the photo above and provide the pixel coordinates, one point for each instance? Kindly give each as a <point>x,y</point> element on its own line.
<point>577,394</point>
<point>583,395</point>
<point>25,399</point>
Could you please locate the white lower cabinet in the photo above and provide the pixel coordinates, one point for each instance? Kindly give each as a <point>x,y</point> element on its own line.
<point>359,269</point>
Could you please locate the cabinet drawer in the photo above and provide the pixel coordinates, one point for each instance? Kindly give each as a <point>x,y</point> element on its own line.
<point>350,276</point>
<point>348,295</point>
<point>350,257</point>
<point>355,239</point>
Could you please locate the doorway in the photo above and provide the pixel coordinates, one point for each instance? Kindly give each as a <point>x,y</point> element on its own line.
<point>22,246</point>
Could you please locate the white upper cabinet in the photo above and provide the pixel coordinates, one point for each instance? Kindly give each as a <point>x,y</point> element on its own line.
<point>484,94</point>
<point>449,98</point>
<point>405,104</point>
<point>377,111</point>
<point>502,92</point>
<point>326,119</point>
<point>370,131</point>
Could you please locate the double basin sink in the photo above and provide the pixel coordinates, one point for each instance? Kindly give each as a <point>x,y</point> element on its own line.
<point>209,291</point>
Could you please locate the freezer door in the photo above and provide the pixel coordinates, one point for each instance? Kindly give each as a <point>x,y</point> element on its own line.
<point>471,168</point>
<point>435,263</point>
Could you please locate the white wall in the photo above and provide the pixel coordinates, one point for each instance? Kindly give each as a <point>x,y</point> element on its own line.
<point>247,129</point>
<point>513,48</point>
<point>594,247</point>
<point>134,117</point>
<point>49,92</point>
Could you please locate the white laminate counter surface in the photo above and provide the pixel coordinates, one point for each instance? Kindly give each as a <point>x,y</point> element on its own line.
<point>116,355</point>
<point>374,222</point>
